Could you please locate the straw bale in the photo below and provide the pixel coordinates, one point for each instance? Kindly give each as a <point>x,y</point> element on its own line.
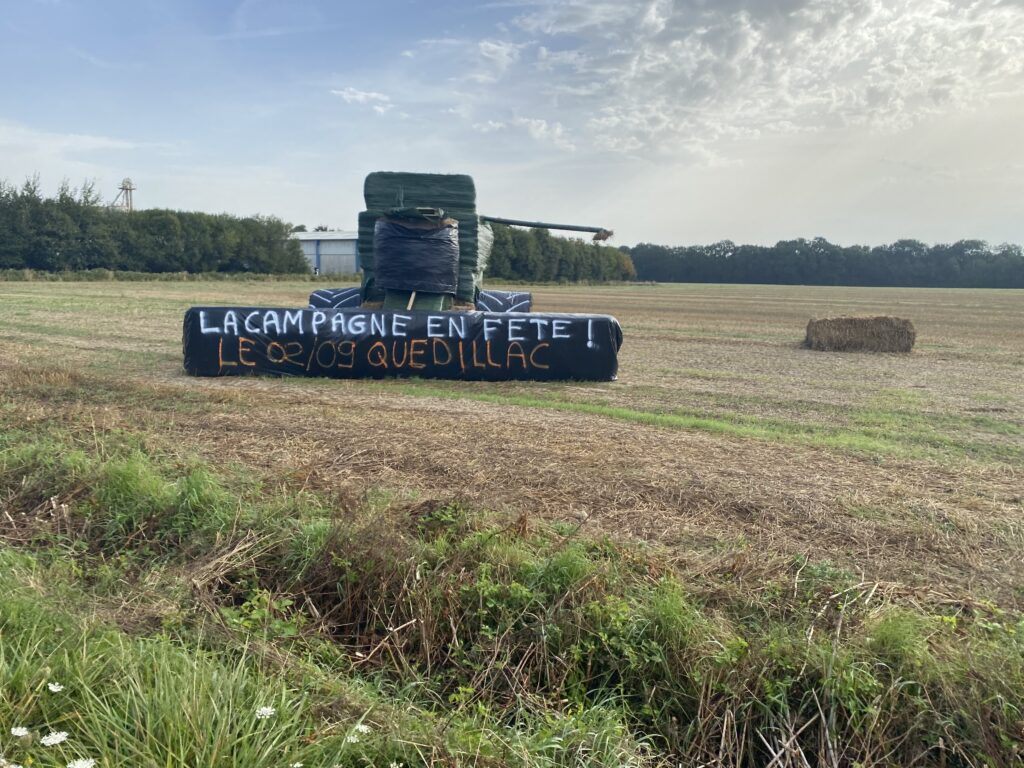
<point>861,334</point>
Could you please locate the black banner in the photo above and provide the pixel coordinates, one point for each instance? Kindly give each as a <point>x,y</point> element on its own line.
<point>356,343</point>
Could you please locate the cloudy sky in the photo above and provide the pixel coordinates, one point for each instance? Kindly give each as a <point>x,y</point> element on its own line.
<point>671,121</point>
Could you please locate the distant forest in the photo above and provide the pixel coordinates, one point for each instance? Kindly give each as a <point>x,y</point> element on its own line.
<point>963,264</point>
<point>536,256</point>
<point>73,231</point>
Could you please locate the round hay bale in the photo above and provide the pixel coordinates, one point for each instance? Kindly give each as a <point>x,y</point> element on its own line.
<point>861,334</point>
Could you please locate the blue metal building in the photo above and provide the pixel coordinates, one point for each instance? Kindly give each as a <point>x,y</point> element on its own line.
<point>331,252</point>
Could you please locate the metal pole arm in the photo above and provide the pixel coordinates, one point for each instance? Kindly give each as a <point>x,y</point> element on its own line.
<point>600,233</point>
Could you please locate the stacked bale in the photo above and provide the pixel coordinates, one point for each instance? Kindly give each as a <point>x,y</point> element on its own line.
<point>455,193</point>
<point>384,190</point>
<point>861,334</point>
<point>364,246</point>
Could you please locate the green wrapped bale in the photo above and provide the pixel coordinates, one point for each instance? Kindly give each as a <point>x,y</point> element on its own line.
<point>364,243</point>
<point>384,190</point>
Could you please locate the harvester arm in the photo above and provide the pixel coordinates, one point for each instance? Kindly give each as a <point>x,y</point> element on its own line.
<point>600,233</point>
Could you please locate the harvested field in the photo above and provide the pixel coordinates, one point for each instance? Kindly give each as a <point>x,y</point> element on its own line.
<point>723,436</point>
<point>742,553</point>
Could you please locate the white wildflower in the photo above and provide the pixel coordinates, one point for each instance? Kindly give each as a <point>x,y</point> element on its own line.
<point>17,732</point>
<point>82,762</point>
<point>295,765</point>
<point>352,739</point>
<point>363,728</point>
<point>54,738</point>
<point>5,764</point>
<point>393,764</point>
<point>55,687</point>
<point>265,713</point>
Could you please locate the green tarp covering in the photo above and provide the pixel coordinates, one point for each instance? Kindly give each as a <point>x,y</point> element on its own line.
<point>452,191</point>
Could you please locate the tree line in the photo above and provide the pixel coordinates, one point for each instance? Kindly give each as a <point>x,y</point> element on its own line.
<point>536,256</point>
<point>74,231</point>
<point>963,264</point>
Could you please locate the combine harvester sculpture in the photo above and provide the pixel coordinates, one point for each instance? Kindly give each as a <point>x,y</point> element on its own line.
<point>421,309</point>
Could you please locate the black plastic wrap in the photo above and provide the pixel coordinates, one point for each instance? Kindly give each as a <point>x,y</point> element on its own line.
<point>344,343</point>
<point>504,301</point>
<point>335,298</point>
<point>476,240</point>
<point>416,258</point>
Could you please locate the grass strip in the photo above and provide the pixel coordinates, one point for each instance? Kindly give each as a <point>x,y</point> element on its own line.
<point>533,644</point>
<point>890,434</point>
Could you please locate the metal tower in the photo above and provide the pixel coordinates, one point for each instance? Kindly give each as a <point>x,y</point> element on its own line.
<point>123,201</point>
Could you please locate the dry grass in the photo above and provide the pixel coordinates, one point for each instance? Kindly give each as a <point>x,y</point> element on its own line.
<point>900,468</point>
<point>861,334</point>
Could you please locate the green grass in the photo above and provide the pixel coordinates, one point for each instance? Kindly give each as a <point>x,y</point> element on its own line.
<point>142,700</point>
<point>172,599</point>
<point>901,434</point>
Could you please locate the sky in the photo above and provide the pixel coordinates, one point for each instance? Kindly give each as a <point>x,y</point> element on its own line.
<point>669,121</point>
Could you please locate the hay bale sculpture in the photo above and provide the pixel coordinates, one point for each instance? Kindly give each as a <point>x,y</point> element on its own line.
<point>421,309</point>
<point>861,334</point>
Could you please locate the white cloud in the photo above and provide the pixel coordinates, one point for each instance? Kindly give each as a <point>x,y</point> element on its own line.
<point>689,80</point>
<point>356,96</point>
<point>578,17</point>
<point>494,58</point>
<point>96,61</point>
<point>257,19</point>
<point>489,126</point>
<point>656,16</point>
<point>499,54</point>
<point>632,75</point>
<point>543,131</point>
<point>14,136</point>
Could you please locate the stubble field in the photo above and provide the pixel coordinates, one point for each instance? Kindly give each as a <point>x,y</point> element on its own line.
<point>721,438</point>
<point>726,452</point>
